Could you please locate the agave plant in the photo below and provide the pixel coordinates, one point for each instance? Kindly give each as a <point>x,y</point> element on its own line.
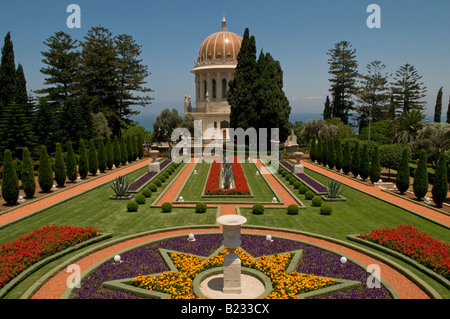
<point>120,186</point>
<point>334,189</point>
<point>227,174</point>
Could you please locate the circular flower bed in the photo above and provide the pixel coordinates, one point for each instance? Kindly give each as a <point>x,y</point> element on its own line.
<point>147,260</point>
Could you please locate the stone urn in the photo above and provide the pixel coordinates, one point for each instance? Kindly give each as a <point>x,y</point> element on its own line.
<point>231,263</point>
<point>298,166</point>
<point>154,165</point>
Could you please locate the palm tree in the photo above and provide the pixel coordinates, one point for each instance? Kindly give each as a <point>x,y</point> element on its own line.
<point>404,129</point>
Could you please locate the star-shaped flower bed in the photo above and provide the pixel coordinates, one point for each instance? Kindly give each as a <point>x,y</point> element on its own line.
<point>286,283</point>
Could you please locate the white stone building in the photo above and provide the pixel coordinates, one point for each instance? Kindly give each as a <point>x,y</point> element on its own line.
<point>213,70</point>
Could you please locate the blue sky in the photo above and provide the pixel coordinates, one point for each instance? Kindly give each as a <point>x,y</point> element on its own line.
<point>297,33</point>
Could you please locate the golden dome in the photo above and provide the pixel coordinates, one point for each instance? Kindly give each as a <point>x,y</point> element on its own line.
<point>219,48</point>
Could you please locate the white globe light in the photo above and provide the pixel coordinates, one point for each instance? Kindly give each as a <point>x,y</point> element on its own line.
<point>343,260</point>
<point>268,237</point>
<point>191,237</point>
<point>117,258</point>
<point>20,197</point>
<point>274,200</point>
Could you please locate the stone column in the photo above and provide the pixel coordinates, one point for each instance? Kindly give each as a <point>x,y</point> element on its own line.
<point>231,263</point>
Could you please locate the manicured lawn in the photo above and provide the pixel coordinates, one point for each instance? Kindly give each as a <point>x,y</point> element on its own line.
<point>95,209</point>
<point>193,189</point>
<point>360,213</point>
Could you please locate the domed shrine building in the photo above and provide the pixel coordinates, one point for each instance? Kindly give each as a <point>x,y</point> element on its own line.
<point>213,70</point>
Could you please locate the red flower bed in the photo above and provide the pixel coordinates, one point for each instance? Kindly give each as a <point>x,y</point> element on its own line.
<point>419,246</point>
<point>213,183</point>
<point>20,254</point>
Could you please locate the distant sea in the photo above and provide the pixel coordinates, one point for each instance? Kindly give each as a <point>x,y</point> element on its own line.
<point>146,119</point>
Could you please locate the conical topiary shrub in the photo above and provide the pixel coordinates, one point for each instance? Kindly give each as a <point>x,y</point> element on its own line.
<point>28,180</point>
<point>60,167</point>
<point>92,156</point>
<point>45,174</point>
<point>356,159</point>
<point>83,165</point>
<point>402,181</point>
<point>440,183</point>
<point>364,165</point>
<point>375,166</point>
<point>116,151</point>
<point>71,166</point>
<point>420,184</point>
<point>109,154</point>
<point>101,156</point>
<point>10,181</point>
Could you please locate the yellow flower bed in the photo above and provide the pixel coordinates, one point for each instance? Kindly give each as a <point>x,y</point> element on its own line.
<point>285,285</point>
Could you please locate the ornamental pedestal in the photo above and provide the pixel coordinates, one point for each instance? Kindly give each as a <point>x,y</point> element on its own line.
<point>154,165</point>
<point>298,166</point>
<point>232,263</point>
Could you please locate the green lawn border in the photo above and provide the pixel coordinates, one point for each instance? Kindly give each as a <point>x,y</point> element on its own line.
<point>35,267</point>
<point>182,166</point>
<point>32,200</point>
<point>17,220</point>
<point>393,253</point>
<point>386,201</point>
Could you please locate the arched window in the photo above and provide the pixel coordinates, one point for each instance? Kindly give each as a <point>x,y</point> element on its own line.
<point>224,89</point>
<point>214,89</point>
<point>215,124</point>
<point>205,86</point>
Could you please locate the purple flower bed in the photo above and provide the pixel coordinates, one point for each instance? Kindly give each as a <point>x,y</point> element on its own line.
<point>146,260</point>
<point>319,188</point>
<point>145,178</point>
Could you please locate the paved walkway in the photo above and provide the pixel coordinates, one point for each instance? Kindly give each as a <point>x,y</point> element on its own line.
<point>56,286</point>
<point>59,196</point>
<point>376,191</point>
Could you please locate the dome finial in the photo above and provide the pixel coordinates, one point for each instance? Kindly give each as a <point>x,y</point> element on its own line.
<point>224,23</point>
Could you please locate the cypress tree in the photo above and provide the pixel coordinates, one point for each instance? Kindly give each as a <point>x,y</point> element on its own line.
<point>375,166</point>
<point>83,165</point>
<point>356,159</point>
<point>440,183</point>
<point>28,181</point>
<point>331,156</point>
<point>117,153</point>
<point>346,158</point>
<point>339,156</point>
<point>327,111</point>
<point>20,87</point>
<point>109,154</point>
<point>60,167</point>
<point>135,147</point>
<point>92,158</point>
<point>319,151</point>
<point>402,181</point>
<point>312,150</point>
<point>325,152</point>
<point>101,156</point>
<point>438,107</point>
<point>130,149</point>
<point>123,150</point>
<point>10,182</point>
<point>7,71</point>
<point>45,174</point>
<point>140,146</point>
<point>364,166</point>
<point>420,184</point>
<point>71,163</point>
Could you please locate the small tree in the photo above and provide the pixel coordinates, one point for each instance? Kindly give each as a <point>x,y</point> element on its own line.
<point>130,149</point>
<point>140,146</point>
<point>338,155</point>
<point>312,150</point>
<point>109,154</point>
<point>10,182</point>
<point>135,147</point>
<point>116,151</point>
<point>28,181</point>
<point>420,184</point>
<point>101,156</point>
<point>83,165</point>
<point>60,166</point>
<point>319,151</point>
<point>440,183</point>
<point>364,165</point>
<point>123,151</point>
<point>346,158</point>
<point>375,167</point>
<point>331,156</point>
<point>92,157</point>
<point>356,159</point>
<point>45,174</point>
<point>402,181</point>
<point>325,151</point>
<point>71,166</point>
